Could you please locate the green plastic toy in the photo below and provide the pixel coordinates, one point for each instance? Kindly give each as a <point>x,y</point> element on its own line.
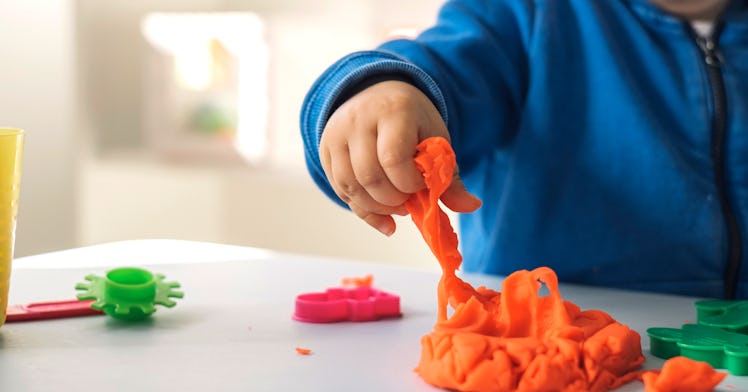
<point>719,338</point>
<point>129,293</point>
<point>720,348</point>
<point>729,315</point>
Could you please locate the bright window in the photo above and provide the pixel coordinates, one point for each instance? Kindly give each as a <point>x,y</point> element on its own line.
<point>208,92</point>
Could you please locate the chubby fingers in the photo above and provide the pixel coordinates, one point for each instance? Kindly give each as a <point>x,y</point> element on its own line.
<point>396,147</point>
<point>458,199</point>
<point>382,223</point>
<point>371,174</point>
<point>337,158</point>
<point>340,172</point>
<point>382,161</point>
<point>338,166</point>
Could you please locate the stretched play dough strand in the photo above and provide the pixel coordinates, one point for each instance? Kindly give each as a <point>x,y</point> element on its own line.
<point>517,340</point>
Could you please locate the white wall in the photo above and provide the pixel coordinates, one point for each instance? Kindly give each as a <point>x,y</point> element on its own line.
<point>79,189</point>
<point>37,93</point>
<point>274,206</point>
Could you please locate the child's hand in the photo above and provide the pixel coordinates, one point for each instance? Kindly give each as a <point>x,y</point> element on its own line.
<point>367,151</point>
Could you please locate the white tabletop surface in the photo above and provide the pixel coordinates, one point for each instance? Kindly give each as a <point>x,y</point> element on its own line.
<point>233,329</point>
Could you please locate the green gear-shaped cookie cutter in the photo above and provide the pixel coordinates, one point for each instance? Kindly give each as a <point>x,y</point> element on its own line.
<point>129,293</point>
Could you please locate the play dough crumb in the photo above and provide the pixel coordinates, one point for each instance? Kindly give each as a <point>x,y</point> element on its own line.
<point>681,374</point>
<point>303,351</point>
<point>364,281</point>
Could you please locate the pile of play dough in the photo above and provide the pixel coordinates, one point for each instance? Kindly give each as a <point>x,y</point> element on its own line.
<point>518,340</point>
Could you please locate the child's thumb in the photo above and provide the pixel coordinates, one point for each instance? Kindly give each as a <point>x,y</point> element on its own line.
<point>458,199</point>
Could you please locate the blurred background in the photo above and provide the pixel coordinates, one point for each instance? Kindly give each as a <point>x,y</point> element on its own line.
<point>179,119</point>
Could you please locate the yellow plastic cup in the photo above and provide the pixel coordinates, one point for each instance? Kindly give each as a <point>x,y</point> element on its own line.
<point>11,147</point>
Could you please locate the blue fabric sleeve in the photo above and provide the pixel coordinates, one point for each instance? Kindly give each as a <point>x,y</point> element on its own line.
<point>471,64</point>
<point>478,55</point>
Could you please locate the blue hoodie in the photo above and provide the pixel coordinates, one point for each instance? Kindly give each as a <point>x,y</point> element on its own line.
<point>606,140</point>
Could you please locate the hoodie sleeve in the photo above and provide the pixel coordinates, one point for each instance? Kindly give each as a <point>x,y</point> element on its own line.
<point>472,64</point>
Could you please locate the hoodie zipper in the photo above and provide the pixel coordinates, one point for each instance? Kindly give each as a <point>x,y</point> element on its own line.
<point>713,61</point>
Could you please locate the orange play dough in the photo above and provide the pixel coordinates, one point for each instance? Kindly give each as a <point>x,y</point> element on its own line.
<point>680,374</point>
<point>356,281</point>
<point>515,340</point>
<point>303,351</point>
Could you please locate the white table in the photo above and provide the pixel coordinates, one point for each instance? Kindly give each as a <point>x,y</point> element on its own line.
<point>233,330</point>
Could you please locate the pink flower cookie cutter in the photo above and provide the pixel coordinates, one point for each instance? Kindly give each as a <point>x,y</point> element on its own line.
<point>346,304</point>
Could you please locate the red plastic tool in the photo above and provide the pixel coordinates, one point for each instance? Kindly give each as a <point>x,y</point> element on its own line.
<point>50,310</point>
<point>344,304</point>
